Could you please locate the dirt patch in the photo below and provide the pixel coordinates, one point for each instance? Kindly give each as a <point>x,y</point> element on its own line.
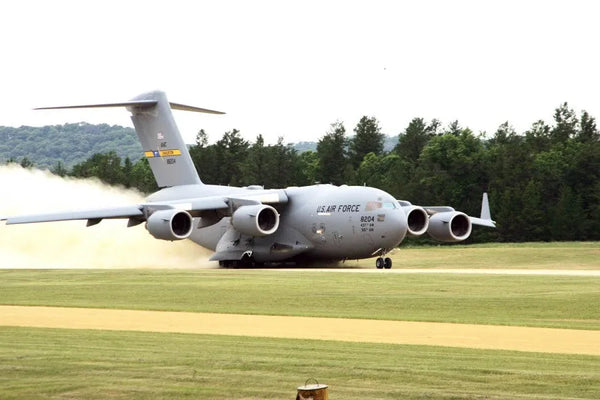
<point>547,340</point>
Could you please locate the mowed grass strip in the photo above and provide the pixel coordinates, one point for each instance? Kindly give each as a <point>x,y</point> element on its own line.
<point>555,255</point>
<point>539,301</point>
<point>54,363</point>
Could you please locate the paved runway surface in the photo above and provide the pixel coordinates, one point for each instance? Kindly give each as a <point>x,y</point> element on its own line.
<point>568,341</point>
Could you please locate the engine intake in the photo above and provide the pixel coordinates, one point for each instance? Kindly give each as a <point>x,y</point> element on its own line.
<point>170,224</point>
<point>451,226</point>
<point>255,220</point>
<point>417,220</point>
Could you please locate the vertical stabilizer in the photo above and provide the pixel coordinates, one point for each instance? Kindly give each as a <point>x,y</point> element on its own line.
<point>163,145</point>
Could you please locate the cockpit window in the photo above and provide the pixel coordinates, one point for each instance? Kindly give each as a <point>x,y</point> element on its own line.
<point>389,205</point>
<point>373,205</point>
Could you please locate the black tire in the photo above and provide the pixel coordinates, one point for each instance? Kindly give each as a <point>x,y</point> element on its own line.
<point>387,263</point>
<point>247,261</point>
<point>379,263</point>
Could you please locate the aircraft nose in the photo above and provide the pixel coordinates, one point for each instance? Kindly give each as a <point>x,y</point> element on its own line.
<point>398,227</point>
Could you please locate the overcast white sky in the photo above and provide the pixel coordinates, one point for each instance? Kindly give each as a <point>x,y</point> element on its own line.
<point>290,68</point>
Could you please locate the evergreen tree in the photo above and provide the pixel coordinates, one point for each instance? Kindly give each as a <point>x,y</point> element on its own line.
<point>142,177</point>
<point>230,154</point>
<point>415,137</point>
<point>282,162</point>
<point>307,169</point>
<point>588,132</point>
<point>255,165</point>
<point>367,139</point>
<point>127,173</point>
<point>105,166</point>
<point>26,163</point>
<point>59,169</point>
<point>331,150</point>
<point>566,124</point>
<point>201,138</point>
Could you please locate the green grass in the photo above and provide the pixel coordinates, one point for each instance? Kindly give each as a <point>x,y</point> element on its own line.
<point>549,301</point>
<point>81,364</point>
<point>555,255</point>
<point>69,364</point>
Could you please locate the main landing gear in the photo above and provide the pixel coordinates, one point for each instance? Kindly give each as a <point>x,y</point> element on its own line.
<point>383,263</point>
<point>247,261</point>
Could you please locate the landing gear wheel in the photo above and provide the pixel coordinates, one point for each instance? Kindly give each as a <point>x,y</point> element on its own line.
<point>247,261</point>
<point>387,263</point>
<point>229,264</point>
<point>379,263</point>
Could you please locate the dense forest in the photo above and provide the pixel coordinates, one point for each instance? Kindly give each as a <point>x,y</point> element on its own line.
<point>544,183</point>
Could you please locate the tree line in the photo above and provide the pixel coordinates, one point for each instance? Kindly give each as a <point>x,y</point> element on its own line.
<point>543,184</point>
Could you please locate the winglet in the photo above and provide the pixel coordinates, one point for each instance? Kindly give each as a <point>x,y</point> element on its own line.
<point>485,207</point>
<point>486,217</point>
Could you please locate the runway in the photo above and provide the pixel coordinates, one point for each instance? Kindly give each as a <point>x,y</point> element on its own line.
<point>545,340</point>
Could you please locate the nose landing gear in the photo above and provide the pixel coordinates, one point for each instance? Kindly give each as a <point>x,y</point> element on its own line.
<point>383,263</point>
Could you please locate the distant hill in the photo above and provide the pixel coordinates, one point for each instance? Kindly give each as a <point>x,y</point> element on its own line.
<point>69,143</point>
<point>301,147</point>
<point>74,143</point>
<point>388,145</point>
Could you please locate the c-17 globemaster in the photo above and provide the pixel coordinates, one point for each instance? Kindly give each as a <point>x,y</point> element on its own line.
<point>249,225</point>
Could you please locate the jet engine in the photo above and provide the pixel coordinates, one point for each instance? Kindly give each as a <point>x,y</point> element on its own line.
<point>170,224</point>
<point>417,220</point>
<point>255,220</point>
<point>450,226</point>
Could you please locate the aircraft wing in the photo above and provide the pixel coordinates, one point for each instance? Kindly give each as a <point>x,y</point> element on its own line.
<point>117,212</point>
<point>140,212</point>
<point>484,220</point>
<point>136,211</point>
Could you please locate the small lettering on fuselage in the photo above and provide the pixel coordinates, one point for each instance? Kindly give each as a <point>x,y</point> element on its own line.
<point>339,208</point>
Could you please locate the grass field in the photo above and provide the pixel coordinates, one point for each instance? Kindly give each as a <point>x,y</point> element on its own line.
<point>556,255</point>
<point>549,301</point>
<point>68,364</point>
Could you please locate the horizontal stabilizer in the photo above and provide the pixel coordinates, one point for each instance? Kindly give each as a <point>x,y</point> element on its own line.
<point>136,103</point>
<point>183,107</point>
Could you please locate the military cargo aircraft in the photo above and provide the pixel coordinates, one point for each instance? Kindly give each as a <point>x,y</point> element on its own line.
<point>249,225</point>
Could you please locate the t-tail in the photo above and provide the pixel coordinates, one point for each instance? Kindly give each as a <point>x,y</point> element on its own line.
<point>161,141</point>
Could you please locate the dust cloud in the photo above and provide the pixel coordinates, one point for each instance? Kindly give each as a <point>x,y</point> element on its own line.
<point>71,244</point>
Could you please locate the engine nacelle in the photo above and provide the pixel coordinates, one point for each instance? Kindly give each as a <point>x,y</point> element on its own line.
<point>417,220</point>
<point>450,226</point>
<point>255,220</point>
<point>170,224</point>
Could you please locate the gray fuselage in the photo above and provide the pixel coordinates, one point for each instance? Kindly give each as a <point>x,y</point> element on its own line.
<point>320,221</point>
